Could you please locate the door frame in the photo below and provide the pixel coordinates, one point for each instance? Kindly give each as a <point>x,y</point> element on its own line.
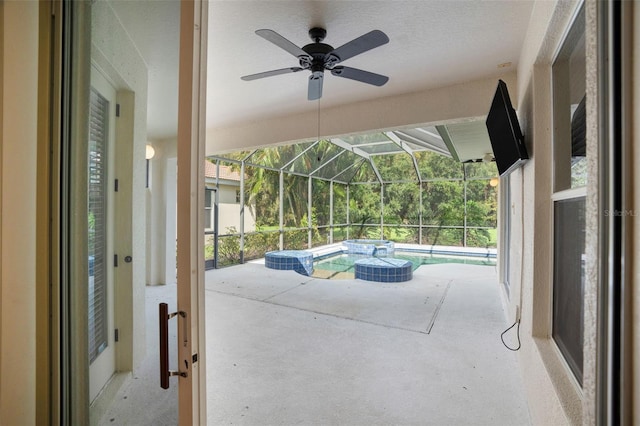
<point>66,45</point>
<point>190,236</point>
<point>615,323</point>
<point>107,359</point>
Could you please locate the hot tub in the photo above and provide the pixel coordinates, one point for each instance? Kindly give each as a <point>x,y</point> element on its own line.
<point>369,247</point>
<point>300,261</point>
<point>386,270</point>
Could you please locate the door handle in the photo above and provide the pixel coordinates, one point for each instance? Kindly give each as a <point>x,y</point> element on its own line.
<point>163,317</point>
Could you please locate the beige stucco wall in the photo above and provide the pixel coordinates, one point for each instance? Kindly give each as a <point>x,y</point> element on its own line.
<point>161,212</point>
<point>592,219</point>
<point>161,201</point>
<point>229,218</point>
<point>446,104</point>
<point>171,225</point>
<point>227,193</point>
<point>19,24</point>
<point>229,209</point>
<point>553,394</point>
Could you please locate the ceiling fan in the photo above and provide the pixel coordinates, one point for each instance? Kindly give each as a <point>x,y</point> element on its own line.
<point>318,57</point>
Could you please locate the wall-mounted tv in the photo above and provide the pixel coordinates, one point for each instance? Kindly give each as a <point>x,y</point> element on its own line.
<point>506,137</point>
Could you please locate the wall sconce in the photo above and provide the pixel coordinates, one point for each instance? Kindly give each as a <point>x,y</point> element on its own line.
<point>149,153</point>
<point>494,182</point>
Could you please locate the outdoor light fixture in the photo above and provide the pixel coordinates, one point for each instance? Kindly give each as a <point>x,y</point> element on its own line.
<point>494,182</point>
<point>149,153</point>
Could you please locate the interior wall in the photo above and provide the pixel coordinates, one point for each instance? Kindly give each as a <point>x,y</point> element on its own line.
<point>19,27</point>
<point>171,225</point>
<point>553,394</point>
<point>158,210</point>
<point>468,100</point>
<point>531,199</point>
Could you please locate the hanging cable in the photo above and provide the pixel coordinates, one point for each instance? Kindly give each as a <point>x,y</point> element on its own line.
<point>517,323</point>
<point>518,307</point>
<point>519,314</point>
<point>318,139</point>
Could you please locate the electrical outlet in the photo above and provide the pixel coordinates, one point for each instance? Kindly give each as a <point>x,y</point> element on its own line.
<point>517,313</point>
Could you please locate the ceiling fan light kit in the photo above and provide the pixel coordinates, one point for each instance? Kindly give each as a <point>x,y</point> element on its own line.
<point>318,57</point>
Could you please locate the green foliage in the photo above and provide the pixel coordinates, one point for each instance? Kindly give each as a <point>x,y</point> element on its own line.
<point>92,231</point>
<point>364,208</point>
<point>229,248</point>
<point>436,166</point>
<point>442,193</point>
<point>258,243</point>
<point>208,247</point>
<point>402,203</point>
<point>295,240</point>
<point>389,165</point>
<point>296,194</point>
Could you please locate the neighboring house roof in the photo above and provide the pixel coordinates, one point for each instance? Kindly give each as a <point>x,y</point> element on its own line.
<point>226,172</point>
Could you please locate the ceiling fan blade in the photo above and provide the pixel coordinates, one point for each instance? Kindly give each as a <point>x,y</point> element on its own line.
<point>315,85</point>
<point>282,43</point>
<point>357,46</point>
<point>270,73</point>
<point>360,75</point>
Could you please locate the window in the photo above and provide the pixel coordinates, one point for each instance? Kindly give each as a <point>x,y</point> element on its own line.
<point>569,184</point>
<point>238,197</point>
<point>568,277</point>
<point>209,196</point>
<point>569,110</point>
<point>97,224</point>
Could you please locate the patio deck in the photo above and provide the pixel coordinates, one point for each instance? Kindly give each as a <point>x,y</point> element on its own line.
<point>288,349</point>
<point>283,348</point>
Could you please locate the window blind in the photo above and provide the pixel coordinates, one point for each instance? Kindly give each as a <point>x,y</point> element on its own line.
<point>97,221</point>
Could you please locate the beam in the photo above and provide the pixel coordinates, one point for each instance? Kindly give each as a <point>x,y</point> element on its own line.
<point>455,103</point>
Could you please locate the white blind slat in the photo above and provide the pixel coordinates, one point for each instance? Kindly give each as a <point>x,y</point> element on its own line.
<point>97,196</point>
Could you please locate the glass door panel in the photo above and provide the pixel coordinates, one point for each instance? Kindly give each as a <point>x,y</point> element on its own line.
<point>99,226</point>
<point>119,220</point>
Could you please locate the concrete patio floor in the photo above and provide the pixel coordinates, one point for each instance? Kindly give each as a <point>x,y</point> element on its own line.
<point>287,349</point>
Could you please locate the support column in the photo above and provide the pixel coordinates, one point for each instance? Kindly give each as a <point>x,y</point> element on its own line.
<point>309,195</point>
<point>242,212</point>
<point>331,212</point>
<point>281,210</point>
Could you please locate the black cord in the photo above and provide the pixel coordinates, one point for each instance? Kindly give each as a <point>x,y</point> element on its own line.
<point>517,334</point>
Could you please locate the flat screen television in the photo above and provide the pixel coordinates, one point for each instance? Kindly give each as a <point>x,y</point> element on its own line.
<point>506,137</point>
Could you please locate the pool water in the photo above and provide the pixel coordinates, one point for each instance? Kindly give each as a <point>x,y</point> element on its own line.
<point>341,266</point>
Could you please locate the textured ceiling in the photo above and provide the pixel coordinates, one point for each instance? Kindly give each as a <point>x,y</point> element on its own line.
<point>154,28</point>
<point>432,44</point>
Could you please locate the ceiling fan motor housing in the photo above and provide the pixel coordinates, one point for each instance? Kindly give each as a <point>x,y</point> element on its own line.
<point>318,53</point>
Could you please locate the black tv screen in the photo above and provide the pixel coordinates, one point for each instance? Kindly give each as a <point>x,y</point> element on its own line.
<point>506,137</point>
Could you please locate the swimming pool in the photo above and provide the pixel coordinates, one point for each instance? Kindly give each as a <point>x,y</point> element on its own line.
<point>342,265</point>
